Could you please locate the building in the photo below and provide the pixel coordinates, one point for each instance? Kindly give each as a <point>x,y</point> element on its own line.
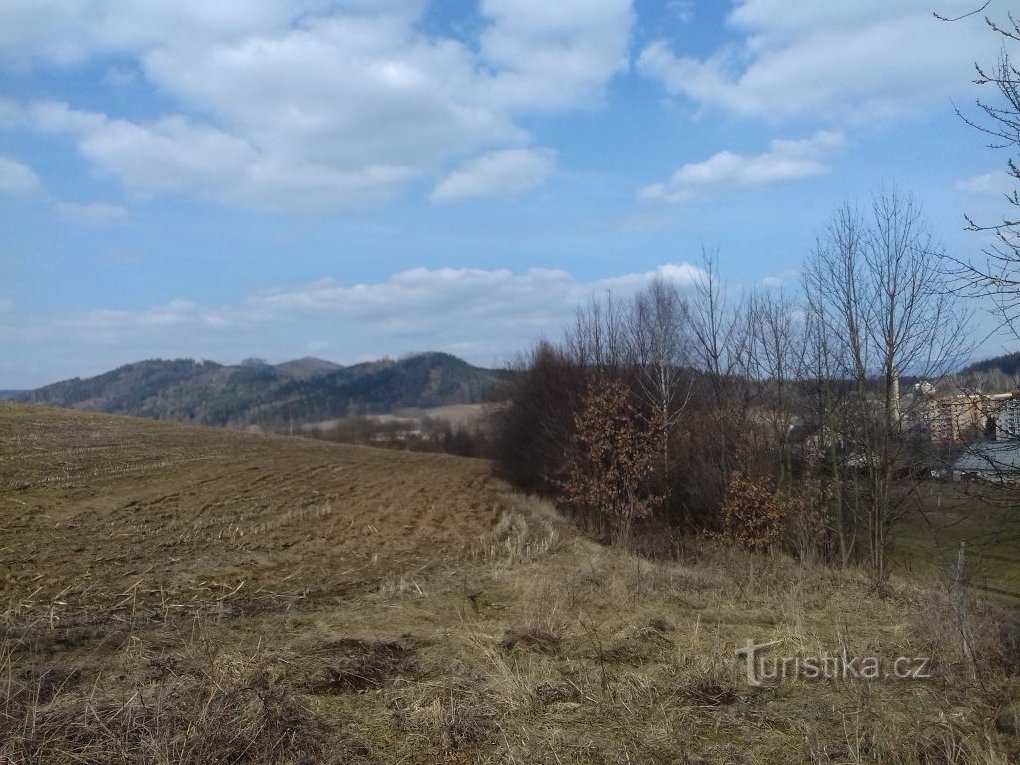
<point>997,462</point>
<point>969,417</point>
<point>954,419</point>
<point>1009,420</point>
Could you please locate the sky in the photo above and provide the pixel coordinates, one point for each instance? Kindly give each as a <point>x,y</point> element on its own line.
<point>353,179</point>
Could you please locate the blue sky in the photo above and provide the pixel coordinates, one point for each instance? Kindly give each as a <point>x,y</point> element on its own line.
<point>359,178</point>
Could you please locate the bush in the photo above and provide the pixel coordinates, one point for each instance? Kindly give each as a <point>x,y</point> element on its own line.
<point>753,514</point>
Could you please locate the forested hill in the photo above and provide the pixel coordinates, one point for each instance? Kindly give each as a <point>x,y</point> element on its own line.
<point>1008,364</point>
<point>255,392</point>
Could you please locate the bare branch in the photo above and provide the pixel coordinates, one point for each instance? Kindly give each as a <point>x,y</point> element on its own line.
<point>958,18</point>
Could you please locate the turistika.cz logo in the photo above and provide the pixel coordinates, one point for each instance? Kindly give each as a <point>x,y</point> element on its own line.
<point>763,669</point>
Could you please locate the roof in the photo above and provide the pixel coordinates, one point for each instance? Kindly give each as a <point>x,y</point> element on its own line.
<point>991,459</point>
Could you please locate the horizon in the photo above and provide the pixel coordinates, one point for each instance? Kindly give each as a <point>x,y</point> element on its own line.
<point>353,181</point>
<point>394,359</point>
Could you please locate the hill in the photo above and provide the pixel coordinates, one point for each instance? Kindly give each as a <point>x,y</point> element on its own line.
<point>256,393</point>
<point>1008,364</point>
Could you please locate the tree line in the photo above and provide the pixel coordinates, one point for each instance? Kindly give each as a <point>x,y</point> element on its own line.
<point>773,417</point>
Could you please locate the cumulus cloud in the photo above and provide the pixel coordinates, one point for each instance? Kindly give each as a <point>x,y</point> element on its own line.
<point>448,302</point>
<point>554,55</point>
<point>282,104</point>
<point>785,160</point>
<point>173,154</point>
<point>509,171</point>
<point>68,33</point>
<point>170,154</point>
<point>862,60</point>
<point>484,315</point>
<point>17,178</point>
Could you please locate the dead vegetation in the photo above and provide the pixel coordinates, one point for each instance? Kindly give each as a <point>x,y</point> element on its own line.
<point>504,638</point>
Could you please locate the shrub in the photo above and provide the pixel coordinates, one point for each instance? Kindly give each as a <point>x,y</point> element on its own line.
<point>615,455</point>
<point>753,514</point>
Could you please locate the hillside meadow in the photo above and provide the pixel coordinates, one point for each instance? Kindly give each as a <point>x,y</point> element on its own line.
<point>175,594</point>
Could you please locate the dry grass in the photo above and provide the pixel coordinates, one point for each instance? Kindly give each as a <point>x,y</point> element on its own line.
<point>505,638</point>
<point>588,655</point>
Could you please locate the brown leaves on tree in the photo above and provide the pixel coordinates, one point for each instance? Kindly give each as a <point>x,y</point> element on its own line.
<point>754,515</point>
<point>616,454</point>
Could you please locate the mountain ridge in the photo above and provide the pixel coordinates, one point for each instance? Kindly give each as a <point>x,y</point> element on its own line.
<point>257,393</point>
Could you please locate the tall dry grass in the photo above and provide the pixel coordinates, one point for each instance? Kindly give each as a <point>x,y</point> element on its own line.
<point>545,648</point>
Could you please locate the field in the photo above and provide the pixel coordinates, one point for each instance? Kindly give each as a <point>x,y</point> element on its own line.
<point>984,518</point>
<point>454,415</point>
<point>177,514</point>
<point>186,595</point>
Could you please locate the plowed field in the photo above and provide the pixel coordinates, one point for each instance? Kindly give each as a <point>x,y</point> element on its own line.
<point>140,514</point>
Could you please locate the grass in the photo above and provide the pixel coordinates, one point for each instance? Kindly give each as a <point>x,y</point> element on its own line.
<point>985,519</point>
<point>583,654</point>
<point>294,602</point>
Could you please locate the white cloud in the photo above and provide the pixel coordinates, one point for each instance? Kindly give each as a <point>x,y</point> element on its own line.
<point>862,60</point>
<point>988,183</point>
<point>17,178</point>
<point>173,154</point>
<point>91,212</point>
<point>481,314</point>
<point>681,274</point>
<point>450,302</point>
<point>70,32</point>
<point>6,305</point>
<point>11,114</point>
<point>785,160</point>
<point>314,104</point>
<point>509,171</point>
<point>554,54</point>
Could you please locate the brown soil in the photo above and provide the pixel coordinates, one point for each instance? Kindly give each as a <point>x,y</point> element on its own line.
<point>144,513</point>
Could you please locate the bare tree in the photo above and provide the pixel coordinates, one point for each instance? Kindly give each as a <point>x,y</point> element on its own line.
<point>776,355</point>
<point>598,338</point>
<point>997,274</point>
<point>718,351</point>
<point>660,346</point>
<point>535,428</point>
<point>827,411</point>
<point>875,292</point>
<point>719,343</point>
